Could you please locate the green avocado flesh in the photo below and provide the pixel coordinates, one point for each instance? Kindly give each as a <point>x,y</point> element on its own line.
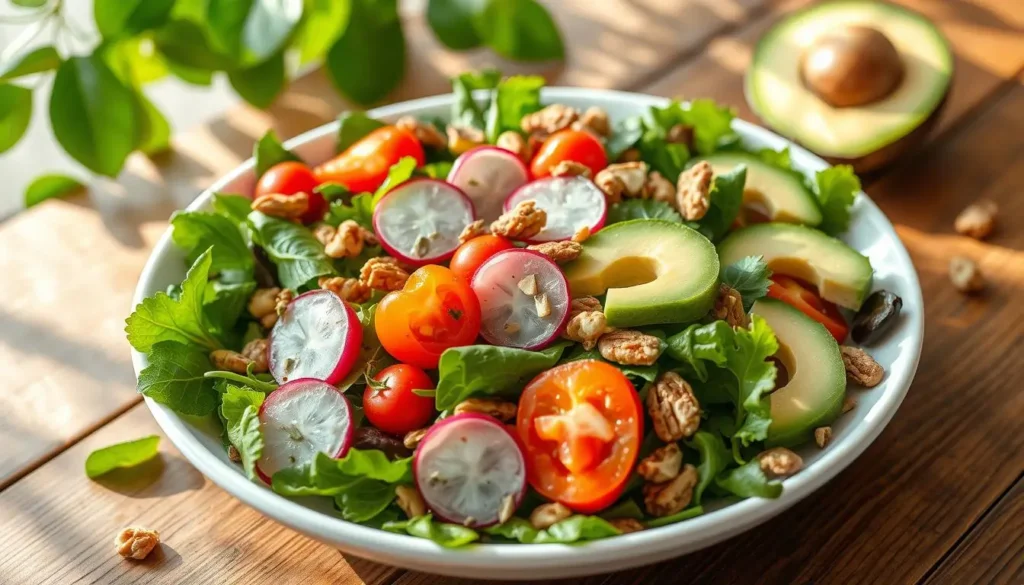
<point>841,274</point>
<point>777,93</point>
<point>653,271</point>
<point>813,396</point>
<point>780,195</point>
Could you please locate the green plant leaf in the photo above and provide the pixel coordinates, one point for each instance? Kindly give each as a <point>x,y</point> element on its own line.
<point>452,22</point>
<point>627,508</point>
<point>240,410</point>
<point>175,378</point>
<point>298,256</point>
<point>269,151</point>
<point>488,370</point>
<point>521,30</point>
<point>268,27</point>
<point>465,110</point>
<point>127,17</point>
<point>575,528</point>
<point>153,128</point>
<point>260,84</point>
<point>15,114</point>
<point>368,59</point>
<point>750,277</point>
<point>436,170</point>
<point>50,187</point>
<point>127,454</point>
<point>836,188</point>
<point>726,200</point>
<point>93,114</point>
<point>234,207</point>
<point>714,458</point>
<point>756,376</point>
<point>324,21</point>
<point>444,534</point>
<point>642,209</point>
<point>625,134</point>
<point>352,126</point>
<point>224,303</point>
<point>514,98</point>
<point>327,476</point>
<point>699,343</point>
<point>749,481</point>
<point>399,173</point>
<point>29,3</point>
<point>35,61</point>
<point>195,232</point>
<point>189,51</point>
<point>647,373</point>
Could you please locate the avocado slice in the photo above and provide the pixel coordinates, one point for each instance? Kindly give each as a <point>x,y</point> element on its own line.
<point>841,274</point>
<point>856,81</point>
<point>779,194</point>
<point>813,395</point>
<point>653,271</point>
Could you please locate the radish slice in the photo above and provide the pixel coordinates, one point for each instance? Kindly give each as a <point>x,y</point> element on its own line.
<point>300,419</point>
<point>318,336</point>
<point>488,174</point>
<point>469,469</point>
<point>572,203</point>
<point>524,299</point>
<point>419,221</point>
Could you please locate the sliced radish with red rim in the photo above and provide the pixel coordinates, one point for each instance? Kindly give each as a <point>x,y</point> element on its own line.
<point>419,221</point>
<point>300,419</point>
<point>571,203</point>
<point>487,175</point>
<point>470,470</point>
<point>524,299</point>
<point>318,336</point>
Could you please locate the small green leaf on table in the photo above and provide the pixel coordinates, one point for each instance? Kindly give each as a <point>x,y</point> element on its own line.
<point>127,454</point>
<point>368,59</point>
<point>15,114</point>
<point>35,61</point>
<point>50,187</point>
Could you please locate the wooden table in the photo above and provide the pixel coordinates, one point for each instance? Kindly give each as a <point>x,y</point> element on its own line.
<point>938,498</point>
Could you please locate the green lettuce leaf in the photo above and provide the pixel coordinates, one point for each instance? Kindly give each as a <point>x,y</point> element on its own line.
<point>240,410</point>
<point>198,231</point>
<point>836,188</point>
<point>712,124</point>
<point>399,173</point>
<point>127,454</point>
<point>269,151</point>
<point>777,158</point>
<point>224,303</point>
<point>359,209</point>
<point>233,207</point>
<point>726,200</point>
<point>642,209</point>
<point>750,277</point>
<point>298,256</point>
<point>175,378</point>
<point>515,97</point>
<point>748,481</point>
<point>465,110</point>
<point>714,458</point>
<point>490,370</point>
<point>327,476</point>
<point>625,134</point>
<point>436,170</point>
<point>446,535</point>
<point>627,508</point>
<point>352,126</point>
<point>573,529</point>
<point>699,343</point>
<point>756,376</point>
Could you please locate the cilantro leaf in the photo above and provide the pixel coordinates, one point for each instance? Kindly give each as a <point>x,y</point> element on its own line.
<point>575,528</point>
<point>642,209</point>
<point>514,98</point>
<point>197,231</point>
<point>359,209</point>
<point>748,480</point>
<point>442,533</point>
<point>726,200</point>
<point>489,370</point>
<point>269,151</point>
<point>175,378</point>
<point>240,410</point>
<point>465,110</point>
<point>750,277</point>
<point>836,188</point>
<point>127,454</point>
<point>298,256</point>
<point>756,376</point>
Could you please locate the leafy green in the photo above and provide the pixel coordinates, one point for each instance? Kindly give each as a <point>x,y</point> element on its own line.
<point>436,170</point>
<point>123,17</point>
<point>520,30</point>
<point>153,129</point>
<point>224,303</point>
<point>642,209</point>
<point>726,200</point>
<point>777,158</point>
<point>444,534</point>
<point>260,382</point>
<point>699,343</point>
<point>298,256</point>
<point>712,124</point>
<point>327,476</point>
<point>627,508</point>
<point>240,407</point>
<point>195,232</point>
<point>323,22</point>
<point>399,173</point>
<point>364,499</point>
<point>575,528</point>
<point>489,370</point>
<point>38,60</point>
<point>465,110</point>
<point>268,27</point>
<point>359,209</point>
<point>368,59</point>
<point>625,134</point>
<point>333,191</point>
<point>234,207</point>
<point>514,98</point>
<point>750,277</point>
<point>756,376</point>
<point>269,151</point>
<point>175,378</point>
<point>836,188</point>
<point>260,84</point>
<point>127,454</point>
<point>452,22</point>
<point>714,458</point>
<point>748,481</point>
<point>686,514</point>
<point>51,187</point>
<point>353,126</point>
<point>15,114</point>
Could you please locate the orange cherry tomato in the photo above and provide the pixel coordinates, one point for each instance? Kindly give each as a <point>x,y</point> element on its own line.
<point>803,297</point>
<point>580,425</point>
<point>289,178</point>
<point>434,311</point>
<point>469,256</point>
<point>395,408</point>
<point>364,165</point>
<point>575,145</point>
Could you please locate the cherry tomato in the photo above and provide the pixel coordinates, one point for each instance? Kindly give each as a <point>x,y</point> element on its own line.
<point>469,256</point>
<point>575,145</point>
<point>581,425</point>
<point>289,178</point>
<point>434,311</point>
<point>395,408</point>
<point>803,297</point>
<point>364,165</point>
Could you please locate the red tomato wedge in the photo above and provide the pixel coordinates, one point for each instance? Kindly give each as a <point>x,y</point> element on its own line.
<point>289,178</point>
<point>364,165</point>
<point>569,145</point>
<point>581,425</point>
<point>802,297</point>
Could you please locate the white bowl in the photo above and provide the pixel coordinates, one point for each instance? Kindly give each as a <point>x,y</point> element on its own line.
<point>871,233</point>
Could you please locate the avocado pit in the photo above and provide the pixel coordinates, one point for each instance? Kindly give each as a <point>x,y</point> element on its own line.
<point>851,66</point>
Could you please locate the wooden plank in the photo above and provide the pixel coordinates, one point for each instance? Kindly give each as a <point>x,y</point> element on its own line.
<point>993,552</point>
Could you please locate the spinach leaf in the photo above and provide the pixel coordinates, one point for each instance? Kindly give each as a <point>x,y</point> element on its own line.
<point>364,499</point>
<point>352,126</point>
<point>726,200</point>
<point>175,378</point>
<point>327,476</point>
<point>750,277</point>
<point>240,411</point>
<point>642,209</point>
<point>444,534</point>
<point>452,22</point>
<point>359,209</point>
<point>127,454</point>
<point>520,30</point>
<point>514,98</point>
<point>198,231</point>
<point>489,370</point>
<point>224,303</point>
<point>269,151</point>
<point>298,256</point>
<point>368,59</point>
<point>465,110</point>
<point>836,188</point>
<point>748,480</point>
<point>714,458</point>
<point>233,207</point>
<point>575,528</point>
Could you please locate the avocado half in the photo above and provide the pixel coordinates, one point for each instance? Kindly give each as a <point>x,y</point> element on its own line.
<point>856,81</point>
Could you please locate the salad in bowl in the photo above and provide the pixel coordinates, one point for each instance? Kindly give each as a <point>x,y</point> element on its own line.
<point>523,322</point>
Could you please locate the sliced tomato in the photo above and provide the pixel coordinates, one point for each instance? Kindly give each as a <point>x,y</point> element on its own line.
<point>569,145</point>
<point>581,425</point>
<point>475,252</point>
<point>365,164</point>
<point>803,297</point>
<point>289,178</point>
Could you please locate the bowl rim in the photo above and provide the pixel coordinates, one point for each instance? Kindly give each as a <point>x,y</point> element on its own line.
<point>624,551</point>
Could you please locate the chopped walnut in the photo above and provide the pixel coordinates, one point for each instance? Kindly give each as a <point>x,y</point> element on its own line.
<point>507,508</point>
<point>559,252</point>
<point>671,497</point>
<point>290,207</point>
<point>499,409</point>
<point>473,230</point>
<point>413,438</point>
<point>543,305</point>
<point>587,322</point>
<point>681,134</point>
<point>232,361</point>
<point>528,285</point>
<point>463,138</point>
<point>425,132</point>
<point>233,454</point>
<point>659,188</point>
<point>581,235</point>
<point>514,142</point>
<point>345,241</point>
<point>822,436</point>
<point>545,515</point>
<point>628,347</point>
<point>383,273</point>
<point>629,155</point>
<point>263,302</point>
<point>729,307</point>
<point>622,180</point>
<point>351,290</point>
<point>694,191</point>
<point>256,352</point>
<point>661,465</point>
<point>780,462</point>
<point>523,222</point>
<point>674,409</point>
<point>282,299</point>
<point>549,120</point>
<point>977,220</point>
<point>965,275</point>
<point>136,543</point>
<point>849,403</point>
<point>570,168</point>
<point>861,367</point>
<point>410,501</point>
<point>594,120</point>
<point>626,525</point>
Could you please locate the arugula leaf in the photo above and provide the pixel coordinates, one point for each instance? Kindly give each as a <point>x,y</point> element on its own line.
<point>444,534</point>
<point>726,200</point>
<point>515,97</point>
<point>399,173</point>
<point>353,126</point>
<point>161,318</point>
<point>240,411</point>
<point>756,376</point>
<point>750,277</point>
<point>714,458</point>
<point>699,343</point>
<point>836,188</point>
<point>489,370</point>
<point>364,500</point>
<point>748,480</point>
<point>127,454</point>
<point>359,209</point>
<point>224,304</point>
<point>175,378</point>
<point>686,514</point>
<point>269,151</point>
<point>298,256</point>
<point>233,207</point>
<point>465,110</point>
<point>575,528</point>
<point>642,209</point>
<point>198,231</point>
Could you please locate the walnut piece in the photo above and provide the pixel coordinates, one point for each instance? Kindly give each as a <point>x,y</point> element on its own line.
<point>594,120</point>
<point>282,299</point>
<point>413,438</point>
<point>549,120</point>
<point>256,352</point>
<point>861,368</point>
<point>263,301</point>
<point>545,515</point>
<point>659,188</point>
<point>232,361</point>
<point>622,180</point>
<point>476,229</point>
<point>233,454</point>
<point>626,525</point>
<point>351,290</point>
<point>410,501</point>
<point>693,195</point>
<point>586,323</point>
<point>290,207</point>
<point>671,497</point>
<point>729,307</point>
<point>345,241</point>
<point>849,403</point>
<point>681,134</point>
<point>661,465</point>
<point>514,142</point>
<point>780,462</point>
<point>523,222</point>
<point>965,275</point>
<point>425,132</point>
<point>506,509</point>
<point>383,273</point>
<point>977,220</point>
<point>559,252</point>
<point>673,407</point>
<point>629,155</point>
<point>629,347</point>
<point>822,436</point>
<point>499,409</point>
<point>570,168</point>
<point>463,138</point>
<point>136,543</point>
